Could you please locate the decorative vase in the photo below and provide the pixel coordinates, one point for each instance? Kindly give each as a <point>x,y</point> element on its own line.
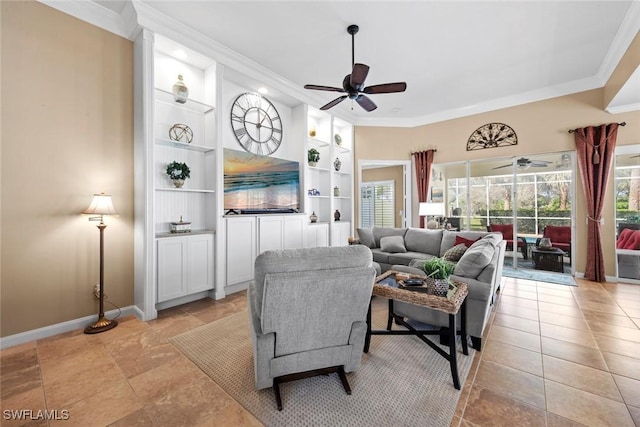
<point>337,164</point>
<point>336,215</point>
<point>545,243</point>
<point>338,139</point>
<point>312,132</point>
<point>336,191</point>
<point>313,163</point>
<point>180,91</point>
<point>313,217</point>
<point>438,287</point>
<point>178,183</point>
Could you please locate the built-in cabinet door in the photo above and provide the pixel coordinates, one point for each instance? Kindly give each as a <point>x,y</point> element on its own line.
<point>199,263</point>
<point>241,249</point>
<point>318,235</point>
<point>294,231</point>
<point>270,233</point>
<point>172,274</point>
<point>340,233</point>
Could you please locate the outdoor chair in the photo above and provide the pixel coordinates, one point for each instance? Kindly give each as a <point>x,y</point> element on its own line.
<point>560,236</point>
<point>507,235</point>
<point>308,312</point>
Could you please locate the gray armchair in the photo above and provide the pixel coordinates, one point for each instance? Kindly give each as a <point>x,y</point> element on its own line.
<point>308,310</point>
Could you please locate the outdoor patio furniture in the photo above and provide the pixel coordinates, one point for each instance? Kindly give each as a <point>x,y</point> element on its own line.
<point>507,235</point>
<point>560,236</point>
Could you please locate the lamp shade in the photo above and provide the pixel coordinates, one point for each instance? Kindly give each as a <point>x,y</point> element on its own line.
<point>431,208</point>
<point>101,205</point>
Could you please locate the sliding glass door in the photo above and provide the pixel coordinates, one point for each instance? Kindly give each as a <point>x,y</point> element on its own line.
<point>524,198</point>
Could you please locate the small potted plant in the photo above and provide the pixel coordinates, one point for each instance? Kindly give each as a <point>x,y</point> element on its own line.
<point>313,156</point>
<point>438,272</point>
<point>178,172</point>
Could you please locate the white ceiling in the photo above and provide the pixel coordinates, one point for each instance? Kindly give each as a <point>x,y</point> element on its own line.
<point>457,57</point>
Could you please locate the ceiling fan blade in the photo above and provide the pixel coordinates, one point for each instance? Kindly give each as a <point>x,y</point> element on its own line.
<point>358,75</point>
<point>385,88</point>
<point>366,103</point>
<point>500,167</point>
<point>334,102</point>
<point>538,164</point>
<point>325,88</point>
<point>633,157</point>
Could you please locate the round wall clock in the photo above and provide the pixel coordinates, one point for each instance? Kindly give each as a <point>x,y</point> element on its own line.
<point>492,135</point>
<point>256,124</point>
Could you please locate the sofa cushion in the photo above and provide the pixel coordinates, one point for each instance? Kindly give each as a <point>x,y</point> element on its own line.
<point>365,236</point>
<point>455,253</point>
<point>477,257</point>
<point>392,244</point>
<point>379,256</point>
<point>407,258</point>
<point>449,238</point>
<point>423,240</point>
<point>380,232</point>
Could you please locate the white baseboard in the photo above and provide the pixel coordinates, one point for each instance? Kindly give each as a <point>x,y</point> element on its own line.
<point>60,328</point>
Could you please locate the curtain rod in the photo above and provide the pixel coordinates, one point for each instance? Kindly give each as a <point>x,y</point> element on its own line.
<point>620,124</point>
<point>430,149</point>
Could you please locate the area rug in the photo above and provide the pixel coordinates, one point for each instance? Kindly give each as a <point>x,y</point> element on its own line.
<point>402,381</point>
<point>539,275</point>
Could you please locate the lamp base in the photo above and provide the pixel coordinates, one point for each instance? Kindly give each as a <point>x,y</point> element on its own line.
<point>101,325</point>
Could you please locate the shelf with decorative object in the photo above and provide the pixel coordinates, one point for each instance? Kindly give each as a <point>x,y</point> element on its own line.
<point>185,190</point>
<point>183,145</point>
<point>191,104</point>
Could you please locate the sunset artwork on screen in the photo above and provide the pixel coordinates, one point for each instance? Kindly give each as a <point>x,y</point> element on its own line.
<point>253,182</point>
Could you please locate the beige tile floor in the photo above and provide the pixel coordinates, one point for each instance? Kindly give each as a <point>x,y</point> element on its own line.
<point>553,355</point>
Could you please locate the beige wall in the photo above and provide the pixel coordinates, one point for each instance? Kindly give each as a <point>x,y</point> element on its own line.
<point>391,173</point>
<point>541,128</point>
<point>67,132</point>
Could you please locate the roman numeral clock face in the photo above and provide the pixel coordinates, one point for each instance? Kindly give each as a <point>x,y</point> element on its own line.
<point>256,124</point>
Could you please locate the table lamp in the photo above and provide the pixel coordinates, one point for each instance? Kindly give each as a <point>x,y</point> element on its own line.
<point>431,209</point>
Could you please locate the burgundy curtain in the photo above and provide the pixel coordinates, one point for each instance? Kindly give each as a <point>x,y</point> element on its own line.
<point>595,150</point>
<point>423,161</point>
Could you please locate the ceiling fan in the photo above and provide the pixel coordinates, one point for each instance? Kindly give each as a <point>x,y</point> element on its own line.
<point>524,163</point>
<point>353,84</point>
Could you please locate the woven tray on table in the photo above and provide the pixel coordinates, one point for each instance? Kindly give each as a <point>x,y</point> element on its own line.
<point>448,305</point>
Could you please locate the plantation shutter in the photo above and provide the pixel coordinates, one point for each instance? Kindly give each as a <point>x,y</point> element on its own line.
<point>377,204</point>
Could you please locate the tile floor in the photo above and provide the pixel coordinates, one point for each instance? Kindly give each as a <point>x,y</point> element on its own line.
<point>553,355</point>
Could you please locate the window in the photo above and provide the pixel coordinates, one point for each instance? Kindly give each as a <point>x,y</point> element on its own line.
<point>377,203</point>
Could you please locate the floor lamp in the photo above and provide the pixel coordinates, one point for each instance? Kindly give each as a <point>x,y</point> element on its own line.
<point>101,205</point>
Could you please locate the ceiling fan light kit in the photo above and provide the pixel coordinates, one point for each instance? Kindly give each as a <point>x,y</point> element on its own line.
<point>353,84</point>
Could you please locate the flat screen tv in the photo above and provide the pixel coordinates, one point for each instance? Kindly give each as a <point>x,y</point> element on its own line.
<point>254,184</point>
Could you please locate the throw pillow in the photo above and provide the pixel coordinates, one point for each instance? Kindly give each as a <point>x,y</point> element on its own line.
<point>365,235</point>
<point>455,253</point>
<point>466,242</point>
<point>477,257</point>
<point>392,244</point>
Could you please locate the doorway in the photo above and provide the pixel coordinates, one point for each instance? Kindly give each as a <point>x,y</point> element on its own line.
<point>378,180</point>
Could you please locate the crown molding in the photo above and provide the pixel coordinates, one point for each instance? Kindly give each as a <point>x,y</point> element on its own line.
<point>123,25</point>
<point>623,108</point>
<point>484,107</point>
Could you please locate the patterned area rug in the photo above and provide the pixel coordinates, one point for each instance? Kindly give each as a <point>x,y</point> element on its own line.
<point>401,381</point>
<point>539,275</point>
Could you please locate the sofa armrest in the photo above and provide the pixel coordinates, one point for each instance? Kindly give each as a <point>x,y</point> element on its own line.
<point>410,270</point>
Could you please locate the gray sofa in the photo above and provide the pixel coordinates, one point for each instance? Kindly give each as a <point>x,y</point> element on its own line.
<point>421,244</point>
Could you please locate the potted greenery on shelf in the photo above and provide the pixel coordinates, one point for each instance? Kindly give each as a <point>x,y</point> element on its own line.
<point>438,272</point>
<point>178,172</point>
<point>313,156</point>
